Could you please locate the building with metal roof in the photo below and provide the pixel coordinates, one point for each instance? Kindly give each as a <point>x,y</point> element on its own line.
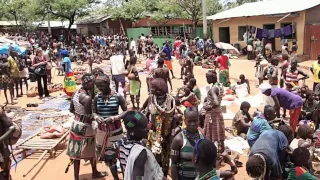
<point>301,15</point>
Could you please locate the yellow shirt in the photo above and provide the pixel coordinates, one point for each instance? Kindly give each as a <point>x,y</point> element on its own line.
<point>14,70</point>
<point>316,69</point>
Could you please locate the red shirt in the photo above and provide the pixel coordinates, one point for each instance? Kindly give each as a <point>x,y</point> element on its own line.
<point>177,44</point>
<point>223,61</point>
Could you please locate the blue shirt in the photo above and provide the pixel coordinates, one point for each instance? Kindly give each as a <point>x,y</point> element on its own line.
<point>258,125</point>
<point>167,50</point>
<point>270,144</point>
<point>200,44</point>
<point>67,62</point>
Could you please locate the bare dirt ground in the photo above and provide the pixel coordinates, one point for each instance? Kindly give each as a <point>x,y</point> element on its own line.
<point>53,169</point>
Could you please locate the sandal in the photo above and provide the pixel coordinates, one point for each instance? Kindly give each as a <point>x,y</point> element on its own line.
<point>33,92</point>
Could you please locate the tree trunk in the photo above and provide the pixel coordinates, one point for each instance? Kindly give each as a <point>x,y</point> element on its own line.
<point>16,20</point>
<point>194,26</point>
<point>71,21</point>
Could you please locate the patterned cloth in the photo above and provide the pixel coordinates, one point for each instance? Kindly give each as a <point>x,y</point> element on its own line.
<point>224,77</point>
<point>214,124</point>
<point>81,144</point>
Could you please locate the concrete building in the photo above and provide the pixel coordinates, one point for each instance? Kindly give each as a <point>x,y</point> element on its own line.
<point>102,24</point>
<point>303,15</point>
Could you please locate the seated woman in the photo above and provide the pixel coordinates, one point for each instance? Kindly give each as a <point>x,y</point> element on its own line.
<point>188,99</point>
<point>182,147</point>
<point>300,159</point>
<point>204,158</point>
<point>242,80</point>
<point>310,105</point>
<point>260,124</point>
<point>197,59</point>
<point>304,133</point>
<point>241,121</point>
<point>268,155</point>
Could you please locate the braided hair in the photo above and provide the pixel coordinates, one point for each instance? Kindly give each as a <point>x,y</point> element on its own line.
<point>206,152</point>
<point>300,156</point>
<point>255,166</point>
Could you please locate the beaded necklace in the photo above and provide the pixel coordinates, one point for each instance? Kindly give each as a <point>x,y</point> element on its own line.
<point>210,174</point>
<point>193,137</point>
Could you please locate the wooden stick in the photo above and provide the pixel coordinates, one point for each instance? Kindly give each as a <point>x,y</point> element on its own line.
<point>63,137</point>
<point>36,163</point>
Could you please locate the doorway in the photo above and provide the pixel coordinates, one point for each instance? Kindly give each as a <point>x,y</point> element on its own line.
<point>272,40</point>
<point>312,41</point>
<point>224,34</point>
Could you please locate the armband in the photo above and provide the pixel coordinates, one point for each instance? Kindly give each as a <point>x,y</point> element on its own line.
<point>138,178</point>
<point>174,152</point>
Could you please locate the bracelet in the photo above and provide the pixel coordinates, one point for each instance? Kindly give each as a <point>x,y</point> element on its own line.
<point>174,152</point>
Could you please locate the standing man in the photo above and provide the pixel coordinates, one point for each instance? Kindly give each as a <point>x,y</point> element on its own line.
<point>117,69</point>
<point>167,60</point>
<point>133,45</point>
<point>199,43</point>
<point>315,69</point>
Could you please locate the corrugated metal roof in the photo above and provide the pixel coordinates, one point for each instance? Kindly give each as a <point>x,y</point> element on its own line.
<point>266,8</point>
<point>44,24</point>
<point>94,19</point>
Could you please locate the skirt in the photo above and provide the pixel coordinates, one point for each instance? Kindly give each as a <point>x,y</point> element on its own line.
<point>135,87</point>
<point>107,135</point>
<point>5,79</point>
<point>82,142</point>
<point>169,64</point>
<point>214,125</point>
<point>24,73</point>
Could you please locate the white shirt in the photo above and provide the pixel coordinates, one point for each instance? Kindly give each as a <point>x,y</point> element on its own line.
<point>133,45</point>
<point>117,64</point>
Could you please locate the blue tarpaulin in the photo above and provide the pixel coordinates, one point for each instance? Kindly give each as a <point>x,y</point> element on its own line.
<point>5,49</point>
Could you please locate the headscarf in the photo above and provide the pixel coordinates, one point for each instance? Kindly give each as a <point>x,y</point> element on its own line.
<point>103,78</point>
<point>264,87</point>
<point>86,78</point>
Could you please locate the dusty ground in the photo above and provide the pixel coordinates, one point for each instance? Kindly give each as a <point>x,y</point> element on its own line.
<point>52,169</point>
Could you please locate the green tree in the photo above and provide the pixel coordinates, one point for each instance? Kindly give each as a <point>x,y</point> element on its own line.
<point>69,10</point>
<point>194,9</point>
<point>12,8</point>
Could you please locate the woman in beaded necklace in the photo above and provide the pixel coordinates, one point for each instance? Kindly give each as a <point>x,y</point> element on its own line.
<point>137,162</point>
<point>182,167</point>
<point>106,105</point>
<point>204,158</point>
<point>160,105</point>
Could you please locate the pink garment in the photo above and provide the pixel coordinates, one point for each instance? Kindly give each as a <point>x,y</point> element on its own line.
<point>148,63</point>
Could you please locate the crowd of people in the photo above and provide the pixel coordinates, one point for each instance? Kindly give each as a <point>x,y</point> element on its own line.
<point>179,136</point>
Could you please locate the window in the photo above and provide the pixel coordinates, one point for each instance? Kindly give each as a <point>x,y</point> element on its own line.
<point>161,31</point>
<point>294,30</point>
<point>241,31</point>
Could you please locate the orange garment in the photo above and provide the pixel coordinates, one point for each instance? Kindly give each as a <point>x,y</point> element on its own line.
<point>169,64</point>
<point>294,118</point>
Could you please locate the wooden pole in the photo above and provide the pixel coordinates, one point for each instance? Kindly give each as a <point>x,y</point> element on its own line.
<point>204,19</point>
<point>36,163</point>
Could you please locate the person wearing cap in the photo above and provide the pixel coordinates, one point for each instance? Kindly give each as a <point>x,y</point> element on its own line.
<point>315,70</point>
<point>284,99</point>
